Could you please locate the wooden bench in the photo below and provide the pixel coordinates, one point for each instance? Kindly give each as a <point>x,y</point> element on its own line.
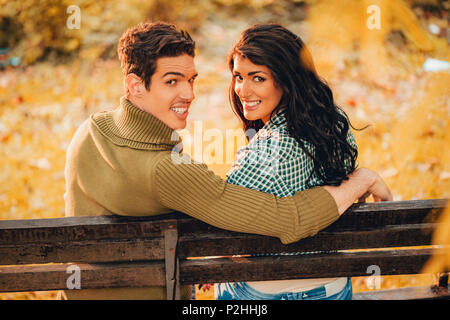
<point>118,251</point>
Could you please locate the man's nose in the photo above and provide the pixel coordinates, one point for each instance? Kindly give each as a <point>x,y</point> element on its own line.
<point>188,93</point>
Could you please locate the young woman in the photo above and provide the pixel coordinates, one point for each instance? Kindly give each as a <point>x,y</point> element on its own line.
<point>298,139</point>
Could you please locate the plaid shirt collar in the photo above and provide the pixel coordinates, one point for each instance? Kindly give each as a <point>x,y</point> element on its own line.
<point>273,128</point>
<point>278,120</point>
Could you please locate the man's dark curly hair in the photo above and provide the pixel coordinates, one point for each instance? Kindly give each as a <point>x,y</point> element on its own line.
<point>141,46</point>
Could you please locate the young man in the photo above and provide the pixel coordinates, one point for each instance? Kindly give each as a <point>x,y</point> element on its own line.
<point>122,161</point>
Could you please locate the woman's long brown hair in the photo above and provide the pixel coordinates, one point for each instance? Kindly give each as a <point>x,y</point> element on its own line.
<point>307,101</point>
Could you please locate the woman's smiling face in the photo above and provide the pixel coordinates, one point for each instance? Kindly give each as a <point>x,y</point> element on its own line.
<point>256,88</point>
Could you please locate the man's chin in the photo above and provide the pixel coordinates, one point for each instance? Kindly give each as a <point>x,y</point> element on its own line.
<point>179,125</point>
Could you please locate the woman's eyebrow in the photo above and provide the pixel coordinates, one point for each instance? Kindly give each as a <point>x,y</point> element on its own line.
<point>255,72</point>
<point>250,73</point>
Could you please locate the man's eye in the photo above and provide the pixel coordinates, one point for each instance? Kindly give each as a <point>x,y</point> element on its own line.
<point>192,80</point>
<point>238,77</point>
<point>171,82</point>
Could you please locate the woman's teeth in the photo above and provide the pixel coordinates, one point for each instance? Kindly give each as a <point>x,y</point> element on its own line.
<point>179,110</point>
<point>253,103</point>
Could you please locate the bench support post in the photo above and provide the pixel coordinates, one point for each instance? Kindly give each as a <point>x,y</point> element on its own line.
<point>170,230</point>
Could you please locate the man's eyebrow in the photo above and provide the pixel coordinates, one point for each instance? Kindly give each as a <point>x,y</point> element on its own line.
<point>178,74</point>
<point>173,73</point>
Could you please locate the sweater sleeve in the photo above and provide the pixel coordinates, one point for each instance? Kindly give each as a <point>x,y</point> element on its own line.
<point>193,189</point>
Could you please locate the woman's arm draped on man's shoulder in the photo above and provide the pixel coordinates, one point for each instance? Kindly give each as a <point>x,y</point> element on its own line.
<point>197,191</point>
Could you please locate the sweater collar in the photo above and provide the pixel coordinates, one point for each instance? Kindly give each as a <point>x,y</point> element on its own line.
<point>130,126</point>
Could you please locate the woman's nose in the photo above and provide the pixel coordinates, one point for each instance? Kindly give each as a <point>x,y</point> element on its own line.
<point>243,89</point>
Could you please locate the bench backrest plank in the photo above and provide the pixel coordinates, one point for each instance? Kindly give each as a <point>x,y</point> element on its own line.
<point>337,264</point>
<point>141,274</point>
<point>92,276</point>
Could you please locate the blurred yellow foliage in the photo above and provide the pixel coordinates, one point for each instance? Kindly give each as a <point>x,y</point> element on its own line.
<point>338,28</point>
<point>41,25</point>
<point>408,148</point>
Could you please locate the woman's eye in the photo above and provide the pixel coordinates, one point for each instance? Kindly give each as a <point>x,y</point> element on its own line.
<point>259,79</point>
<point>238,77</point>
<point>171,82</point>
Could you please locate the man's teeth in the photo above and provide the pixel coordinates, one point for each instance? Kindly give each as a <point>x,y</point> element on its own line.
<point>179,110</point>
<point>253,103</point>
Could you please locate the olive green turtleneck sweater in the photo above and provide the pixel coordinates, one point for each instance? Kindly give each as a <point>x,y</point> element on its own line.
<point>121,162</point>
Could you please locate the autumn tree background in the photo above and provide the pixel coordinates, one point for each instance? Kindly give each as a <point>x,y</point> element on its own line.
<point>371,53</point>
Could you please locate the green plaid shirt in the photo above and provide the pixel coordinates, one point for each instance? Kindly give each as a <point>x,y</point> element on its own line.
<point>273,161</point>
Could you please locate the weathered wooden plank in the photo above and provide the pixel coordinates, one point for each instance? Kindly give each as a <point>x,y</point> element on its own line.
<point>92,276</point>
<point>359,216</point>
<point>78,229</point>
<point>226,243</point>
<point>110,250</point>
<point>409,293</point>
<point>339,264</point>
<point>368,215</point>
<point>141,274</point>
<point>127,241</point>
<point>83,251</point>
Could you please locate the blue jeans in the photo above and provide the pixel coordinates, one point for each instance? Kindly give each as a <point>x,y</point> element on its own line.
<point>243,291</point>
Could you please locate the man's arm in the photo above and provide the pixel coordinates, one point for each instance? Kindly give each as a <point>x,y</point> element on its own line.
<point>198,192</point>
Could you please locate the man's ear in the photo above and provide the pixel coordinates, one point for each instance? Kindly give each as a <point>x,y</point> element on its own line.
<point>135,85</point>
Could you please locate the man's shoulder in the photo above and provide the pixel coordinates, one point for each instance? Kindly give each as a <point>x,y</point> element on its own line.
<point>80,136</point>
<point>85,137</point>
<point>93,120</point>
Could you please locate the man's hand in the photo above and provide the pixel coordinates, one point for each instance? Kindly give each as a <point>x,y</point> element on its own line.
<point>378,189</point>
<point>361,184</point>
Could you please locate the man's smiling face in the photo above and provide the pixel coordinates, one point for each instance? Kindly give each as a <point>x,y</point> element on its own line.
<point>171,91</point>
